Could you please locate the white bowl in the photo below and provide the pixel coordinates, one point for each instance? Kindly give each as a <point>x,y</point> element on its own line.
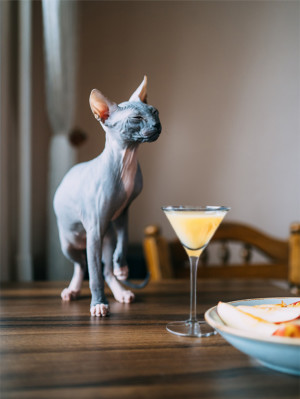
<point>278,353</point>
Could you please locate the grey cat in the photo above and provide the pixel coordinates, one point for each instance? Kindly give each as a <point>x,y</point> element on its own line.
<point>92,201</point>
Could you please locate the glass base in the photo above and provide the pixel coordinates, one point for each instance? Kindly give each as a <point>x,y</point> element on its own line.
<point>190,329</point>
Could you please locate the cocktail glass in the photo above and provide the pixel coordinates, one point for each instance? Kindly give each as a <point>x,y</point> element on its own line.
<point>194,226</point>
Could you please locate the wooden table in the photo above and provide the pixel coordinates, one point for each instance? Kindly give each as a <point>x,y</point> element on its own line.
<point>51,349</point>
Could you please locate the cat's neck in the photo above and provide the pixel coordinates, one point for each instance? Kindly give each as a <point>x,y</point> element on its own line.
<point>120,152</point>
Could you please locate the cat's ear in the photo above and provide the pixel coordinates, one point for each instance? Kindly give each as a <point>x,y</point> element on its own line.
<point>141,92</point>
<point>101,106</point>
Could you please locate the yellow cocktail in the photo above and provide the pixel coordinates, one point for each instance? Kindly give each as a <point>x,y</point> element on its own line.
<point>194,227</point>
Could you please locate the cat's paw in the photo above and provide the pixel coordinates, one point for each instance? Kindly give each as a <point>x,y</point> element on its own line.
<point>124,296</point>
<point>100,310</point>
<point>121,273</point>
<point>69,295</point>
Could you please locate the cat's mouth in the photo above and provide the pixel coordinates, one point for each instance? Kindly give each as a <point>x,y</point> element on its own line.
<point>152,134</point>
<point>149,138</point>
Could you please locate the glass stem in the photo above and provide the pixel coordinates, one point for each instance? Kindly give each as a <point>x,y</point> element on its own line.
<point>193,298</point>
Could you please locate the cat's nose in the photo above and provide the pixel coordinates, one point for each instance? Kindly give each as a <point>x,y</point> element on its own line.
<point>157,126</point>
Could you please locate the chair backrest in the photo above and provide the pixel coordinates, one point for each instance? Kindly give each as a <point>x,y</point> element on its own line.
<point>167,258</point>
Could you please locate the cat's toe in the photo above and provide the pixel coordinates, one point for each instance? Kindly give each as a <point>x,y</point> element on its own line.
<point>69,295</point>
<point>124,296</point>
<point>100,309</point>
<point>128,296</point>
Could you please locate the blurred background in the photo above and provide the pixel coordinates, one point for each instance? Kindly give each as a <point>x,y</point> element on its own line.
<point>224,76</point>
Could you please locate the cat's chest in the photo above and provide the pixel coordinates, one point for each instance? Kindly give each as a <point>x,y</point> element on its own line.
<point>129,167</point>
<point>128,172</point>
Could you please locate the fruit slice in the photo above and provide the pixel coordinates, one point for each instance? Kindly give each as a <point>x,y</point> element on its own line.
<point>288,330</point>
<point>234,317</point>
<point>295,304</point>
<point>272,313</point>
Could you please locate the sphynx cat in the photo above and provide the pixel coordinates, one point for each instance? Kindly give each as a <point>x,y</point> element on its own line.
<point>92,201</point>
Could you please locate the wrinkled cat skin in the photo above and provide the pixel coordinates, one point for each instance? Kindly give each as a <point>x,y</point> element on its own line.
<point>91,203</point>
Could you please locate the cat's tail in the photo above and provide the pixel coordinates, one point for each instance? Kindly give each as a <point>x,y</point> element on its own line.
<point>141,285</point>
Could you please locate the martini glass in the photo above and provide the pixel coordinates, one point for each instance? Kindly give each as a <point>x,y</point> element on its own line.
<point>194,226</point>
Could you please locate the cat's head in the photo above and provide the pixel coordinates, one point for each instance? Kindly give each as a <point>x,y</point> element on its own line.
<point>132,121</point>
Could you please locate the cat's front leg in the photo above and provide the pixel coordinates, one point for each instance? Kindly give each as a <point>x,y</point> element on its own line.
<point>109,244</point>
<point>99,303</point>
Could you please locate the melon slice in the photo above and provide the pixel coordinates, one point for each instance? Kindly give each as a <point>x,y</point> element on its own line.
<point>236,318</point>
<point>272,313</point>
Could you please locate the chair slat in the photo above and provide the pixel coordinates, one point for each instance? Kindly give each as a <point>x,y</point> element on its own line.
<point>168,259</point>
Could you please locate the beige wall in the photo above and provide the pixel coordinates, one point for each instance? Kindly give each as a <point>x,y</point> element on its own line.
<point>225,78</point>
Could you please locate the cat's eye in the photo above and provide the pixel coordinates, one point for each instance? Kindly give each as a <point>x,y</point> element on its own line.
<point>137,118</point>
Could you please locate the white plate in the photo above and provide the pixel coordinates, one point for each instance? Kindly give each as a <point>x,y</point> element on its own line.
<point>278,353</point>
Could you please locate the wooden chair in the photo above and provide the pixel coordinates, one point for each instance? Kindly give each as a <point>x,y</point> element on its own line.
<point>168,259</point>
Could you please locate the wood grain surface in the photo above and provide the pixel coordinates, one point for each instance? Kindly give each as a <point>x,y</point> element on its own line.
<point>51,349</point>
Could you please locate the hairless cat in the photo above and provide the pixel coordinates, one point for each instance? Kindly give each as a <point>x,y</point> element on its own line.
<point>92,201</point>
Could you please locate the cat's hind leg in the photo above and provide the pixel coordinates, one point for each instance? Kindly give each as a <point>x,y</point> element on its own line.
<point>78,257</point>
<point>73,290</point>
